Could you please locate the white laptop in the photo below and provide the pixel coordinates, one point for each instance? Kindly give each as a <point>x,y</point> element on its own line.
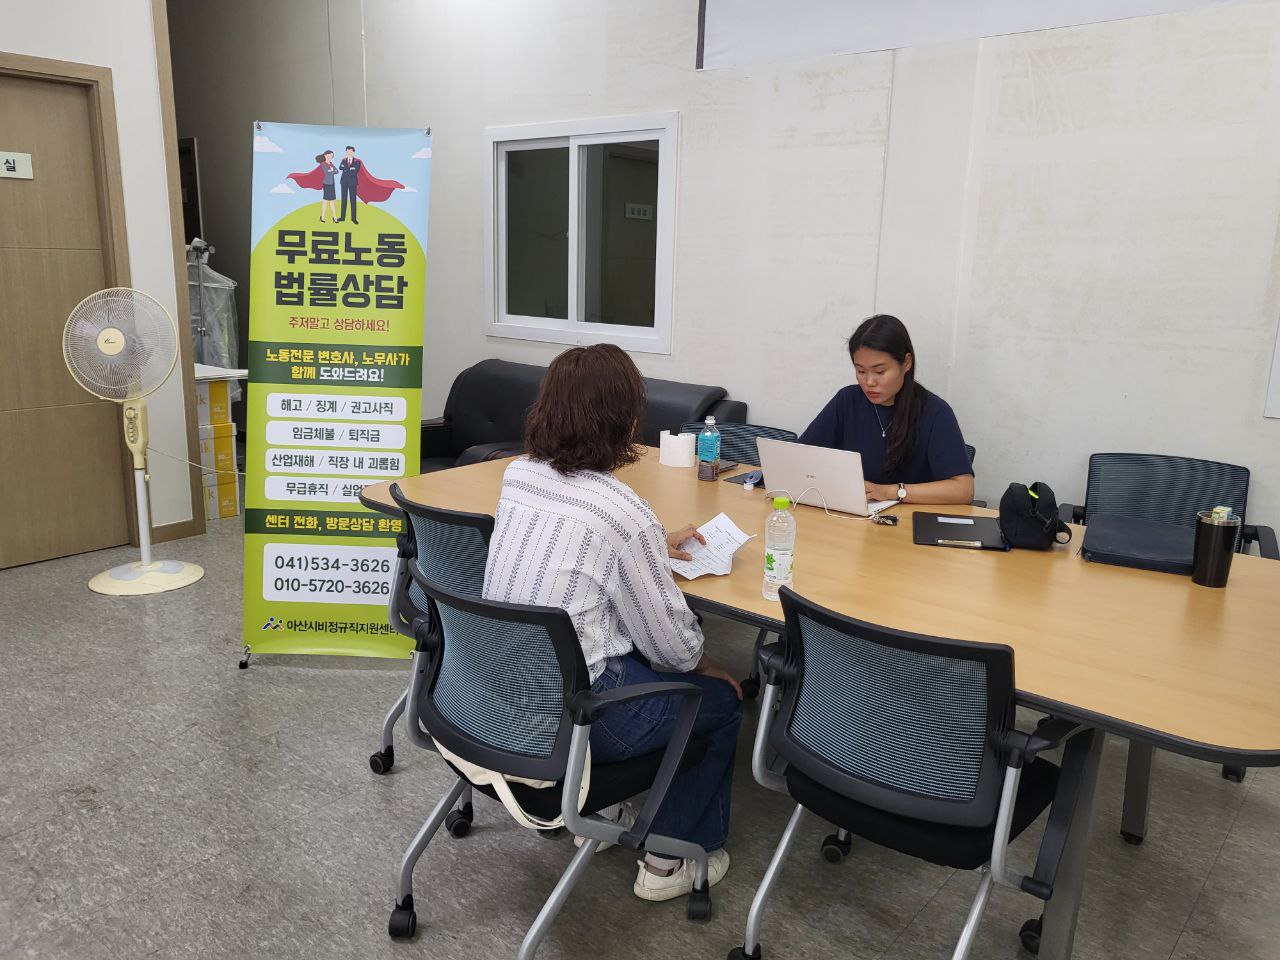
<point>818,476</point>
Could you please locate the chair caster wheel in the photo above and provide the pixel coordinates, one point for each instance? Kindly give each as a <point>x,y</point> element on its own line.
<point>458,822</point>
<point>383,760</point>
<point>403,922</point>
<point>1030,935</point>
<point>834,849</point>
<point>750,687</point>
<point>552,833</point>
<point>1234,774</point>
<point>740,953</point>
<point>699,905</point>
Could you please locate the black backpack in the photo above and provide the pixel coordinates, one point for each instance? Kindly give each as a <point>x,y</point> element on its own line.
<point>1029,517</point>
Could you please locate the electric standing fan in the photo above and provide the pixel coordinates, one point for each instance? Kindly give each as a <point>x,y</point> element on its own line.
<point>121,345</point>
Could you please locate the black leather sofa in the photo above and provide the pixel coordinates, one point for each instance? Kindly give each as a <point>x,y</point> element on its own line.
<point>484,415</point>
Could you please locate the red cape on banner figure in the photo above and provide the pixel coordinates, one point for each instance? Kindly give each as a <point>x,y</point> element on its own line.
<point>368,187</point>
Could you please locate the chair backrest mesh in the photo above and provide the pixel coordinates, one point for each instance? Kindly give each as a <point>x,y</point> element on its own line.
<point>894,718</point>
<point>499,682</point>
<point>451,555</point>
<point>1161,488</point>
<point>738,440</point>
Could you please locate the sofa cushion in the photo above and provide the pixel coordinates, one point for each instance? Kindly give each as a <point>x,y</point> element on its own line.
<point>669,404</point>
<point>488,402</point>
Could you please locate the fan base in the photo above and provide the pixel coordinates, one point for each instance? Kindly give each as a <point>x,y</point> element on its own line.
<point>137,579</point>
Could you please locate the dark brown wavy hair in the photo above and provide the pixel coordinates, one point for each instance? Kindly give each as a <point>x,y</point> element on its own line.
<point>587,415</point>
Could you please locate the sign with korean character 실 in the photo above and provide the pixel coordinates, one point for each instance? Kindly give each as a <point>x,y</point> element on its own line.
<point>335,380</point>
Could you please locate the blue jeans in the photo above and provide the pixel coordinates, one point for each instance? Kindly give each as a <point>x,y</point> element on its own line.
<point>696,807</point>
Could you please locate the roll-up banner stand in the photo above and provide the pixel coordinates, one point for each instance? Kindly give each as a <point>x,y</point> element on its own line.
<point>335,380</point>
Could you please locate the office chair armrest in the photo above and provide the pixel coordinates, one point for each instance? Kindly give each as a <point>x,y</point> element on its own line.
<point>437,438</point>
<point>766,772</point>
<point>401,611</point>
<point>773,663</point>
<point>424,634</point>
<point>481,452</point>
<point>1022,748</point>
<point>1265,538</point>
<point>588,705</point>
<point>773,670</point>
<point>1061,813</point>
<point>977,503</point>
<point>406,542</point>
<point>1070,513</point>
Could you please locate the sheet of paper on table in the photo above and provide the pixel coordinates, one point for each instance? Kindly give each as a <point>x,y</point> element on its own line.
<point>716,555</point>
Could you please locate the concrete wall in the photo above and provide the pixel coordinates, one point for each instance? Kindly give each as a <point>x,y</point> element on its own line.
<point>1078,225</point>
<point>119,35</point>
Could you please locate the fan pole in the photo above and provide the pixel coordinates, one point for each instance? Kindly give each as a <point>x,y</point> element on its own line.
<point>144,514</point>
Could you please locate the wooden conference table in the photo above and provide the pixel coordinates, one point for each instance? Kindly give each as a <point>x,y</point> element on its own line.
<point>1143,655</point>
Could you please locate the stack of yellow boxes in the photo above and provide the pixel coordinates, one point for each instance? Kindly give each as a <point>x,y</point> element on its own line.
<point>217,449</point>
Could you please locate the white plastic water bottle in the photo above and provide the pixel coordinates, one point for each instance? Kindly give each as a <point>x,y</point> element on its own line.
<point>779,547</point>
<point>709,451</point>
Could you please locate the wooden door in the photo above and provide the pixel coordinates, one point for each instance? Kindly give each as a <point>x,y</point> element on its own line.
<point>62,481</point>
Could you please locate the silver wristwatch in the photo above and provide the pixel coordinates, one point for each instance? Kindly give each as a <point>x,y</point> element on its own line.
<point>902,492</point>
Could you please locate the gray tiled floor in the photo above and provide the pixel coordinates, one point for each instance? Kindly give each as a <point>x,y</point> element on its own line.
<point>156,801</point>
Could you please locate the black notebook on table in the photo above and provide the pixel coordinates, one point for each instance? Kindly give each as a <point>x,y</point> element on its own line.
<point>945,530</point>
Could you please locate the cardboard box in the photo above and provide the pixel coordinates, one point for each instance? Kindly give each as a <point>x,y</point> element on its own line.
<point>213,401</point>
<point>221,495</point>
<point>218,447</point>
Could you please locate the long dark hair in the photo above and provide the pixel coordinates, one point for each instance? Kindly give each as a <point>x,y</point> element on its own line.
<point>588,412</point>
<point>889,335</point>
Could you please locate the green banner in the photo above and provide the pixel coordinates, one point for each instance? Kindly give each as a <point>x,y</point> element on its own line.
<point>337,287</point>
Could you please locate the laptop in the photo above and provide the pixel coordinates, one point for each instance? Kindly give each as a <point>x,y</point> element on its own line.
<point>818,476</point>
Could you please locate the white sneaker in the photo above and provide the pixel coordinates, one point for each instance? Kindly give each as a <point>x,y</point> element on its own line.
<point>626,820</point>
<point>651,886</point>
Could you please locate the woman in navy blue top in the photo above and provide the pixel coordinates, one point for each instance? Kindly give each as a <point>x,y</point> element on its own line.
<point>911,446</point>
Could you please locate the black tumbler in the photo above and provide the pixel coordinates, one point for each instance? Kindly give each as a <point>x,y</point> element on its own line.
<point>1215,545</point>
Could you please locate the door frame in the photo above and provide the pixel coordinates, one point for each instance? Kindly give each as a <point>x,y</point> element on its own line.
<point>96,81</point>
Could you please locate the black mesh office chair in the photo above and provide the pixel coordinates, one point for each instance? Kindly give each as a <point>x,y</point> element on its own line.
<point>504,687</point>
<point>908,741</point>
<point>1149,486</point>
<point>451,548</point>
<point>1166,489</point>
<point>738,440</point>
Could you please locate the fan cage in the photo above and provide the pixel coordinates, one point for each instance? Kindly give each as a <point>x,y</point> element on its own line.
<point>149,353</point>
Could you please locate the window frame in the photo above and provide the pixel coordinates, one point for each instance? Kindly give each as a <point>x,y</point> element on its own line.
<point>499,141</point>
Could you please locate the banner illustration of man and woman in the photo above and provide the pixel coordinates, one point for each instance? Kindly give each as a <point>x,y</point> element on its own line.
<point>356,182</point>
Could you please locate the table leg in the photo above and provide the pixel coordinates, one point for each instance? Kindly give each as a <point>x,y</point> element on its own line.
<point>1058,923</point>
<point>1137,792</point>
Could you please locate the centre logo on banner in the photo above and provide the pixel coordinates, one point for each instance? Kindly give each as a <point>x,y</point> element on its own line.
<point>335,380</point>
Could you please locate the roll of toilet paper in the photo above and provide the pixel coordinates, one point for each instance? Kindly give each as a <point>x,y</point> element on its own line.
<point>676,450</point>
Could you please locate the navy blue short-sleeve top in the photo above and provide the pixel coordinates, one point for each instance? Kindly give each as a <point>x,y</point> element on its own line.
<point>852,422</point>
